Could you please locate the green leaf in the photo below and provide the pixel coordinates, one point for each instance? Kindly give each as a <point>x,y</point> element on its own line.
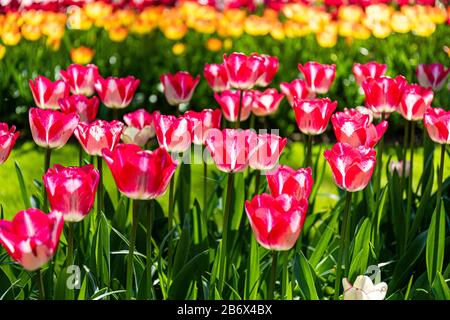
<point>325,238</point>
<point>361,250</point>
<point>435,245</point>
<point>23,189</point>
<point>183,247</point>
<point>199,228</point>
<point>101,251</point>
<point>305,276</point>
<point>253,271</point>
<point>440,288</point>
<point>183,192</point>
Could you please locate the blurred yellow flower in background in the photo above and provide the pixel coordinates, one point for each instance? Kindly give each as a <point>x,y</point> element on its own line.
<point>2,52</point>
<point>179,48</point>
<point>214,44</point>
<point>82,55</point>
<point>118,34</point>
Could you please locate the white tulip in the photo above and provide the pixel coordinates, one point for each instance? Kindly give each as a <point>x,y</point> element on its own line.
<point>364,289</point>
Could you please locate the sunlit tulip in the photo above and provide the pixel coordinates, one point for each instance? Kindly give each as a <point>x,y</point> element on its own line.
<point>140,127</point>
<point>8,137</point>
<point>81,79</point>
<point>313,115</point>
<point>86,108</point>
<point>71,190</point>
<point>432,75</point>
<point>437,123</point>
<point>98,135</point>
<point>318,77</point>
<point>295,183</point>
<point>415,101</point>
<point>296,89</point>
<point>243,71</point>
<point>116,93</point>
<point>47,93</point>
<point>276,221</point>
<point>217,77</point>
<point>398,167</point>
<point>367,70</point>
<point>50,128</point>
<point>364,289</point>
<point>202,122</point>
<point>230,101</point>
<point>265,150</point>
<point>31,238</point>
<point>352,167</point>
<point>270,65</point>
<point>140,174</point>
<point>174,134</point>
<point>179,87</point>
<point>383,94</point>
<point>266,102</point>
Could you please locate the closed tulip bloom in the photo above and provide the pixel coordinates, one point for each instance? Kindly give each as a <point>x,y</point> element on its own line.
<point>367,70</point>
<point>202,122</point>
<point>295,183</point>
<point>313,115</point>
<point>397,166</point>
<point>352,167</point>
<point>265,150</point>
<point>140,127</point>
<point>437,123</point>
<point>229,148</point>
<point>174,134</point>
<point>81,79</point>
<point>383,94</point>
<point>296,89</point>
<point>46,93</point>
<point>230,100</point>
<point>179,87</point>
<point>50,128</point>
<point>364,289</point>
<point>86,108</point>
<point>31,238</point>
<point>116,93</point>
<point>71,191</point>
<point>432,75</point>
<point>355,128</point>
<point>98,135</point>
<point>243,71</point>
<point>415,101</point>
<point>140,174</point>
<point>8,138</point>
<point>217,77</point>
<point>318,77</point>
<point>266,102</point>
<point>276,221</point>
<point>270,65</point>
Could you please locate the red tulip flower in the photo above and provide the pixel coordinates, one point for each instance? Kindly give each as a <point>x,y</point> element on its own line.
<point>415,101</point>
<point>266,102</point>
<point>140,174</point>
<point>81,79</point>
<point>243,71</point>
<point>437,123</point>
<point>202,122</point>
<point>116,93</point>
<point>50,128</point>
<point>318,77</point>
<point>352,167</point>
<point>265,150</point>
<point>46,93</point>
<point>383,94</point>
<point>276,221</point>
<point>179,87</point>
<point>229,148</point>
<point>432,75</point>
<point>296,89</point>
<point>295,183</point>
<point>32,237</point>
<point>367,70</point>
<point>98,135</point>
<point>270,65</point>
<point>313,115</point>
<point>356,128</point>
<point>71,191</point>
<point>8,138</point>
<point>229,101</point>
<point>140,127</point>
<point>86,108</point>
<point>174,134</point>
<point>217,77</point>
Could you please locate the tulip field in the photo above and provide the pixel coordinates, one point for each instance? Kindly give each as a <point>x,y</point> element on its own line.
<point>225,150</point>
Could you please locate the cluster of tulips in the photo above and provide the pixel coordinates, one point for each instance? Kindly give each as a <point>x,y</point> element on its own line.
<point>141,171</point>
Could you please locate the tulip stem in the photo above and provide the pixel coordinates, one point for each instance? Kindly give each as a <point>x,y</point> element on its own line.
<point>344,244</point>
<point>80,155</point>
<point>134,224</point>
<point>273,275</point>
<point>308,155</point>
<point>170,224</point>
<point>410,182</point>
<point>40,281</point>
<point>405,151</point>
<point>70,244</point>
<point>285,275</point>
<point>226,219</point>
<point>47,159</point>
<point>379,162</point>
<point>149,247</point>
<point>440,178</point>
<point>238,122</point>
<point>115,114</point>
<point>257,181</point>
<point>205,186</point>
<point>99,189</point>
